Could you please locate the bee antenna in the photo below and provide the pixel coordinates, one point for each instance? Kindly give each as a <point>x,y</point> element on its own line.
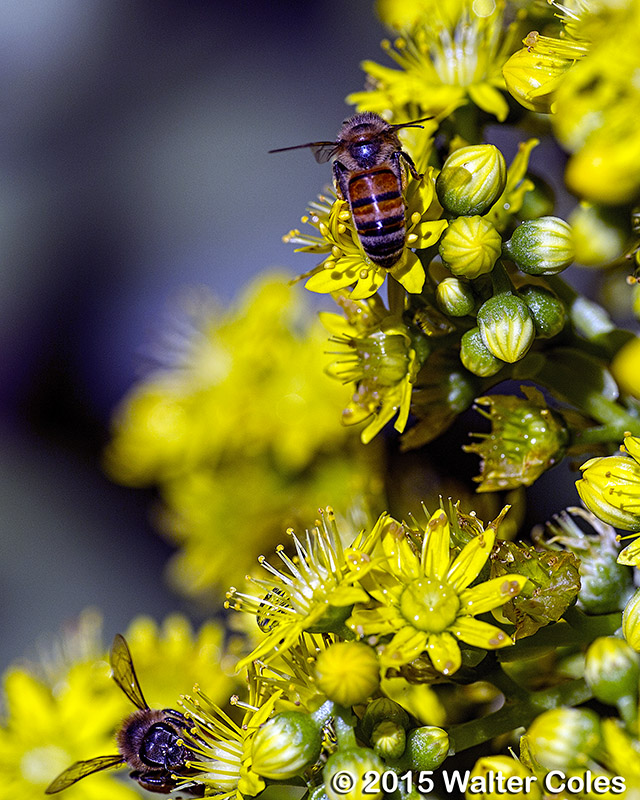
<point>412,124</point>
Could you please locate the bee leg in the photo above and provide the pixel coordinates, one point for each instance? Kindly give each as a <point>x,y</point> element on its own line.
<point>340,177</point>
<point>409,162</point>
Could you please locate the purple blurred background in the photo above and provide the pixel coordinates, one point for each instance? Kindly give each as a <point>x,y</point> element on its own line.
<point>134,141</point>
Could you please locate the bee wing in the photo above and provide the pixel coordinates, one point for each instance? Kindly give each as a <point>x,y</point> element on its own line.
<point>123,672</point>
<point>80,770</point>
<point>322,151</point>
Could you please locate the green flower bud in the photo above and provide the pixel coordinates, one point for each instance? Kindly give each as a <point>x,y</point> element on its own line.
<point>526,439</point>
<point>598,236</point>
<point>348,672</point>
<point>388,739</point>
<point>454,297</point>
<point>610,489</point>
<point>564,738</point>
<point>541,246</point>
<point>472,179</point>
<point>511,770</point>
<point>506,326</point>
<point>537,202</point>
<point>548,311</point>
<point>605,585</point>
<point>427,747</point>
<point>631,622</point>
<point>611,670</point>
<point>470,246</point>
<point>476,357</point>
<point>344,774</point>
<point>380,357</point>
<point>379,710</point>
<point>285,745</point>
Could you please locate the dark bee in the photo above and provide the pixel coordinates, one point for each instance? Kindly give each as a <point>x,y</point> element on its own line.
<point>148,740</point>
<point>369,174</point>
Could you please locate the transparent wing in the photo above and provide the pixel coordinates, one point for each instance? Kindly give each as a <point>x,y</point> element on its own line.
<point>80,770</point>
<point>123,672</point>
<point>322,151</point>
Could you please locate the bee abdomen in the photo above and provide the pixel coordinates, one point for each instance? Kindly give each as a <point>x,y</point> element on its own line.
<point>378,214</point>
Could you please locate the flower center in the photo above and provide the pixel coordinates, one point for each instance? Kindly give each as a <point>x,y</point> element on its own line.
<point>429,605</point>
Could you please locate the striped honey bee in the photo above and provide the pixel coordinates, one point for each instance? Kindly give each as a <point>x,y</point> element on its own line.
<point>369,174</point>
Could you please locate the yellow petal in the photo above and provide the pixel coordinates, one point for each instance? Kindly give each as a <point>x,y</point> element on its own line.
<point>369,284</point>
<point>335,324</point>
<point>489,99</point>
<point>428,232</point>
<point>480,634</point>
<point>330,280</point>
<point>473,557</point>
<point>406,645</point>
<point>347,596</point>
<point>444,653</point>
<point>410,273</point>
<point>490,594</point>
<point>435,549</point>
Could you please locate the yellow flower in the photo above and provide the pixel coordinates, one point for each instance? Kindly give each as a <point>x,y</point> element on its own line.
<point>171,657</point>
<point>221,747</point>
<point>378,356</point>
<point>454,52</point>
<point>425,599</point>
<point>249,380</point>
<point>584,77</point>
<point>610,488</point>
<point>61,712</point>
<point>347,264</point>
<point>314,593</point>
<point>241,425</point>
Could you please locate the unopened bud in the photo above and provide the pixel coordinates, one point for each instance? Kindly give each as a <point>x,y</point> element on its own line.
<point>548,311</point>
<point>470,246</point>
<point>284,745</point>
<point>541,246</point>
<point>388,739</point>
<point>427,747</point>
<point>564,738</point>
<point>611,670</point>
<point>472,179</point>
<point>348,672</point>
<point>454,297</point>
<point>506,327</point>
<point>346,774</point>
<point>476,356</point>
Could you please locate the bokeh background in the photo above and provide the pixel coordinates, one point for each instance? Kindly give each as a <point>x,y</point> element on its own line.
<point>134,139</point>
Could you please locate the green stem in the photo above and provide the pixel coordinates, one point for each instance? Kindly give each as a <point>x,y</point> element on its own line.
<point>517,714</point>
<point>591,627</point>
<point>500,280</point>
<point>589,319</point>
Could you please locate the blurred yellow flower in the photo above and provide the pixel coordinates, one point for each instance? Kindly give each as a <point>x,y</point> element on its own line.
<point>584,76</point>
<point>449,53</point>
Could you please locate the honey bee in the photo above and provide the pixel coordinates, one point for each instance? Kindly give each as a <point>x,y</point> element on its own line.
<point>148,740</point>
<point>368,173</point>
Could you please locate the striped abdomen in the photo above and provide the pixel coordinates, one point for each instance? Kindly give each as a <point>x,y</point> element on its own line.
<point>377,208</point>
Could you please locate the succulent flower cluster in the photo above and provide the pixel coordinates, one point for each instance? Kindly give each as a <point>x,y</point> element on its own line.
<point>390,651</point>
